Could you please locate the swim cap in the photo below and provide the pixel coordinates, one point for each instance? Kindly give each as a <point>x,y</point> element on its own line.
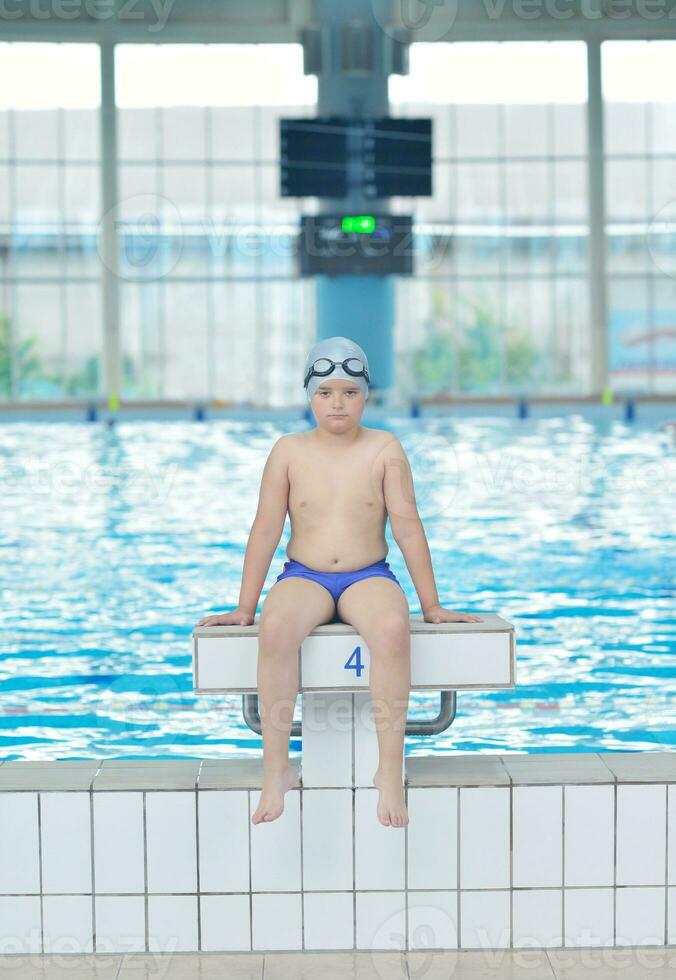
<point>338,349</point>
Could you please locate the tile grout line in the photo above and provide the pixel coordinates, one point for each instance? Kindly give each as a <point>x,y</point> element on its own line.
<point>302,865</point>
<point>300,795</point>
<point>248,795</point>
<point>511,862</point>
<point>511,850</point>
<point>614,859</point>
<point>666,865</point>
<point>197,859</point>
<point>563,865</point>
<point>407,937</point>
<point>457,870</point>
<point>40,881</point>
<point>90,795</point>
<point>353,794</point>
<point>145,872</point>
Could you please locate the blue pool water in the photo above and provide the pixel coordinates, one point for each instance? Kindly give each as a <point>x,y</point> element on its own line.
<point>115,541</point>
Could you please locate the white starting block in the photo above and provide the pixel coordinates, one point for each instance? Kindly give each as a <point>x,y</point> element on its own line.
<point>340,746</point>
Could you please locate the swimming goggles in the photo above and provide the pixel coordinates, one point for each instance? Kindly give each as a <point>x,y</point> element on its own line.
<point>324,365</point>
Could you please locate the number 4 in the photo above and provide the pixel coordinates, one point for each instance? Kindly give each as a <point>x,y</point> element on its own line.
<point>355,664</point>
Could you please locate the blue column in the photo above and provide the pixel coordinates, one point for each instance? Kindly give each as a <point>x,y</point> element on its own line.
<point>359,307</point>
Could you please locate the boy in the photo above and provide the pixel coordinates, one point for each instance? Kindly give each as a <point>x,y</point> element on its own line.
<point>340,482</point>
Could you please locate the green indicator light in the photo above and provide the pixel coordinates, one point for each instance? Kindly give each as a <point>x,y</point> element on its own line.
<point>362,224</point>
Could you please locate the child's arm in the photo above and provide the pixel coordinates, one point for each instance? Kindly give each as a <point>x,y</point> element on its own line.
<point>409,533</point>
<point>264,536</point>
<point>268,524</point>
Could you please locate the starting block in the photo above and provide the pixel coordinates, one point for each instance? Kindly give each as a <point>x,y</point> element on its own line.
<point>338,727</point>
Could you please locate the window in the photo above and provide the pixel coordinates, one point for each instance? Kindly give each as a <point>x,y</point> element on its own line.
<point>208,284</point>
<point>500,298</point>
<point>639,89</point>
<point>50,299</point>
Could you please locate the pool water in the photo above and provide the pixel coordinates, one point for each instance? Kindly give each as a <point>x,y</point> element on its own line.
<point>114,541</point>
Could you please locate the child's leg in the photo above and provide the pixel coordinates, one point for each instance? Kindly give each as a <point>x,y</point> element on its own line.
<point>291,610</point>
<point>378,610</point>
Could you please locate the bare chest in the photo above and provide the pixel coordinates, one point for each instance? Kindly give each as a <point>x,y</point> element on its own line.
<point>322,485</point>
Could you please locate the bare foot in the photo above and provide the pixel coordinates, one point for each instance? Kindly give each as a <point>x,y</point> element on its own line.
<point>275,785</point>
<point>392,810</point>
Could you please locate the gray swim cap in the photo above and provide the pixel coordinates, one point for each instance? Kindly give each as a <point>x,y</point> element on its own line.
<point>338,349</point>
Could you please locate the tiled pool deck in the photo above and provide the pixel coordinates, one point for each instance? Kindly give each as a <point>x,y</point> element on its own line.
<point>578,964</point>
<point>502,852</point>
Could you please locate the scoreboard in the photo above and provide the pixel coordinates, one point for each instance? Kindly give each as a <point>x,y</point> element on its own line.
<point>329,156</point>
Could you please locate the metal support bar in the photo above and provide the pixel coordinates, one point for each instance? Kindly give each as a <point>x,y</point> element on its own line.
<point>112,379</point>
<point>430,726</point>
<point>597,222</point>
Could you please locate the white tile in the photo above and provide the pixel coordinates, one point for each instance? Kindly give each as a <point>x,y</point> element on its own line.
<point>640,916</point>
<point>484,837</point>
<point>433,837</point>
<point>327,818</point>
<point>21,925</point>
<point>118,842</point>
<point>379,850</point>
<point>671,877</point>
<point>170,842</point>
<point>671,917</point>
<point>65,828</point>
<point>433,920</point>
<point>366,755</point>
<point>19,849</point>
<point>224,840</point>
<point>537,836</point>
<point>641,856</point>
<point>226,923</point>
<point>484,920</point>
<point>327,739</point>
<point>172,923</point>
<point>588,916</point>
<point>68,926</point>
<point>589,835</point>
<point>329,920</point>
<point>537,918</point>
<point>275,847</point>
<point>120,923</point>
<point>277,922</point>
<point>381,920</point>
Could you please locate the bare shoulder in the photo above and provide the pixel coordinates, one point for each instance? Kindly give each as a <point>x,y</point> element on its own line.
<point>386,446</point>
<point>294,441</point>
<point>286,442</point>
<point>382,438</point>
<point>295,446</point>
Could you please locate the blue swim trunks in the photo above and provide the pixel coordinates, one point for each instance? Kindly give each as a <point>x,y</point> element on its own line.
<point>337,582</point>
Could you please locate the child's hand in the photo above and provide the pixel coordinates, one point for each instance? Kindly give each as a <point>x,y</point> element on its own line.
<point>437,614</point>
<point>238,617</point>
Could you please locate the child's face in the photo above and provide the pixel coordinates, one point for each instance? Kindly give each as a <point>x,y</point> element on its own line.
<point>338,405</point>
